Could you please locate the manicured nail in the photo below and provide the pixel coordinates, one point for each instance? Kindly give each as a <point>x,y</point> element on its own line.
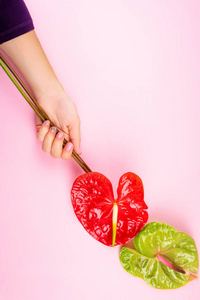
<point>47,122</point>
<point>68,146</point>
<point>60,135</point>
<point>53,129</point>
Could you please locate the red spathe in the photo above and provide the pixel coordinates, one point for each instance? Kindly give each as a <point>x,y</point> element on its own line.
<point>92,199</point>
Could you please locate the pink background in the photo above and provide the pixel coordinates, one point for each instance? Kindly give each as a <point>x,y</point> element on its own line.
<point>133,69</point>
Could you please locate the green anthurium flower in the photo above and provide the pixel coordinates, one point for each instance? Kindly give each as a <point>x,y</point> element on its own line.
<point>155,244</point>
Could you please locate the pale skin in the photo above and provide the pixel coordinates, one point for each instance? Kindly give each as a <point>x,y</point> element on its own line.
<point>28,56</point>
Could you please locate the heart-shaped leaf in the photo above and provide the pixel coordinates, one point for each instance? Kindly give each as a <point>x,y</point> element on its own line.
<point>108,220</point>
<point>158,242</point>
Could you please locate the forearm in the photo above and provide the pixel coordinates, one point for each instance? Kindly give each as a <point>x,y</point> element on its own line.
<point>28,56</point>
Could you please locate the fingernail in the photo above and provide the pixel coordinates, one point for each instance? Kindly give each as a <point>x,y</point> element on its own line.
<point>68,146</point>
<point>80,150</point>
<point>47,122</point>
<point>60,135</point>
<point>53,129</point>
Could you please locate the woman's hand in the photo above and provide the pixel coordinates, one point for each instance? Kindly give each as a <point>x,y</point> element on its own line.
<point>28,56</point>
<point>63,113</point>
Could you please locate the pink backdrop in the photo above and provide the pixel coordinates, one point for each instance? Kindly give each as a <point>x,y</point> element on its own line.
<point>133,69</point>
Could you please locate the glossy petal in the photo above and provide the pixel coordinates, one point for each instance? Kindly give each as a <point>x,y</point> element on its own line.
<point>92,199</point>
<point>155,241</point>
<point>132,212</point>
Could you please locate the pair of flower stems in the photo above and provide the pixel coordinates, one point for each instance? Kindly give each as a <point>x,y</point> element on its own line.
<point>23,89</point>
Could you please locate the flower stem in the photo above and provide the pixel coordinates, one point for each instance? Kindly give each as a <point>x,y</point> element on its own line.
<point>35,106</point>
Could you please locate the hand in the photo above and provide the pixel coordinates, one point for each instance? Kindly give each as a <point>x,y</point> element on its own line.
<point>63,113</point>
<point>28,56</point>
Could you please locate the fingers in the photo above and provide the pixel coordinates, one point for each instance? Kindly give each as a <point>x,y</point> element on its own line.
<point>52,142</point>
<point>49,139</point>
<point>67,151</point>
<point>57,146</point>
<point>42,130</point>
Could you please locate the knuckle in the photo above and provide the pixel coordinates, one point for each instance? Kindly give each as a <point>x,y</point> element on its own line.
<point>44,149</point>
<point>65,157</point>
<point>40,138</point>
<point>54,155</point>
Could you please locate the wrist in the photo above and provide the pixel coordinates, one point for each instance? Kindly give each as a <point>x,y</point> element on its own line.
<point>51,90</point>
<point>53,96</point>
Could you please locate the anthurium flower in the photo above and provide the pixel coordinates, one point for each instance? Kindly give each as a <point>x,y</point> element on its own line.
<point>163,257</point>
<point>108,220</point>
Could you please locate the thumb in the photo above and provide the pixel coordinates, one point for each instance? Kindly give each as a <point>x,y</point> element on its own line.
<point>75,137</point>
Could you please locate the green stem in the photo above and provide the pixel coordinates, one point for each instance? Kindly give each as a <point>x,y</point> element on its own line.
<point>21,90</point>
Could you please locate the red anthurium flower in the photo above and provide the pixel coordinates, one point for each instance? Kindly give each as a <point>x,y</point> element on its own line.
<point>108,220</point>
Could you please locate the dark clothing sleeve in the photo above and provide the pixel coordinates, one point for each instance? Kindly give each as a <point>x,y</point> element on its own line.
<point>15,19</point>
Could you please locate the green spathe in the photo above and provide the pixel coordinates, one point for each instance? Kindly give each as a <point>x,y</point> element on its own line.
<point>157,240</point>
